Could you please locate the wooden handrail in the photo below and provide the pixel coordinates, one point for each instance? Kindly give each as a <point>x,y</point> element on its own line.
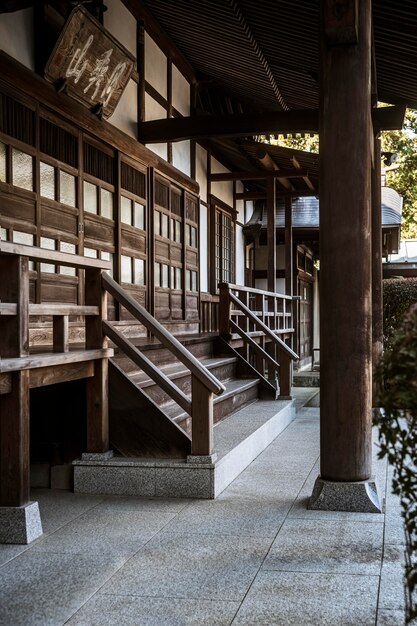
<point>255,346</point>
<point>260,292</point>
<point>259,323</point>
<point>62,309</point>
<point>165,337</point>
<point>144,363</point>
<point>35,361</point>
<point>52,256</point>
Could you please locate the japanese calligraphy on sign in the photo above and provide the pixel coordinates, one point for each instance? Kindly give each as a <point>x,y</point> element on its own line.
<point>90,64</point>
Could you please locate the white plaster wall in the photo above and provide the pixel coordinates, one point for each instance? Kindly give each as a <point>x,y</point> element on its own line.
<point>180,92</point>
<point>204,279</point>
<point>125,115</point>
<point>16,36</point>
<point>181,157</point>
<point>250,206</point>
<point>223,190</point>
<point>155,66</point>
<point>201,171</point>
<point>121,24</point>
<point>154,111</point>
<point>240,256</point>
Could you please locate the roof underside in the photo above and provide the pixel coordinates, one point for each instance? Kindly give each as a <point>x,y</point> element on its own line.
<point>265,54</point>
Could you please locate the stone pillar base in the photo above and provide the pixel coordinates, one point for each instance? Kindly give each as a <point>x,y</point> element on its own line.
<point>360,496</point>
<point>202,459</point>
<point>97,456</point>
<point>20,524</point>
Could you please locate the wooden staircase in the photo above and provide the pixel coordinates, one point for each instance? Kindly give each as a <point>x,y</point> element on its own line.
<point>242,387</point>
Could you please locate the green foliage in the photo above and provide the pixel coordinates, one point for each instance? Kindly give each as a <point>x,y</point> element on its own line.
<point>404,178</point>
<point>398,295</point>
<point>306,142</point>
<point>397,425</point>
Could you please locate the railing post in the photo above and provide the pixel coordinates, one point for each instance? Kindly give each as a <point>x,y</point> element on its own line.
<point>224,311</point>
<point>285,376</point>
<point>20,520</point>
<point>97,386</point>
<point>201,418</point>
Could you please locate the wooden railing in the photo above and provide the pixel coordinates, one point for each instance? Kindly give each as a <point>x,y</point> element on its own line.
<point>209,313</point>
<point>203,383</point>
<point>263,320</point>
<point>22,368</point>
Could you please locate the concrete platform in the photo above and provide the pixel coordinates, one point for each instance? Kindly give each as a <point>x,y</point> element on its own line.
<point>254,556</point>
<point>238,440</point>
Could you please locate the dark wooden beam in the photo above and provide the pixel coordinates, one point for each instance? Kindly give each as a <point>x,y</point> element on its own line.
<point>238,125</point>
<point>261,195</point>
<point>243,125</point>
<point>293,173</point>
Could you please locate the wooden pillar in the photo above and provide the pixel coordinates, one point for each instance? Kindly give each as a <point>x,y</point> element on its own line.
<point>288,247</point>
<point>345,246</point>
<point>271,234</point>
<point>97,386</point>
<point>14,406</point>
<point>377,311</point>
<point>202,418</point>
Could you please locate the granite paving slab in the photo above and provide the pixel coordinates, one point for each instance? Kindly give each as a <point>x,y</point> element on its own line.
<point>9,552</point>
<point>58,511</point>
<point>100,531</point>
<point>307,545</point>
<point>45,589</point>
<point>390,618</point>
<point>133,611</point>
<point>392,594</point>
<point>232,516</point>
<point>297,599</point>
<point>199,566</point>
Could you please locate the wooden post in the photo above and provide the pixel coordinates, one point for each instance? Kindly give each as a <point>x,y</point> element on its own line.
<point>288,247</point>
<point>224,311</point>
<point>285,366</point>
<point>14,406</point>
<point>377,311</point>
<point>345,251</point>
<point>202,419</point>
<point>97,386</point>
<point>271,233</point>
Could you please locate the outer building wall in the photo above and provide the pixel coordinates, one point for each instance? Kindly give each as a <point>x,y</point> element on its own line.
<point>16,36</point>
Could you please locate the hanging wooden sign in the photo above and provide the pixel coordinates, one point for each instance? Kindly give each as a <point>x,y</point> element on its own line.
<point>89,64</point>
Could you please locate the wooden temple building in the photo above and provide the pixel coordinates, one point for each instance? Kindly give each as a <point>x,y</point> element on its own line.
<point>158,259</point>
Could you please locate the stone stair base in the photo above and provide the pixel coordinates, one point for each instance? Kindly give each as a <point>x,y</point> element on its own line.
<point>238,440</point>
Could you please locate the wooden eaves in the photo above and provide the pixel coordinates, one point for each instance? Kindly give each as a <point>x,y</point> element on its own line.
<point>250,124</point>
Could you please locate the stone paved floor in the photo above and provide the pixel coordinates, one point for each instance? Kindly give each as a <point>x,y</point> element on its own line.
<point>255,556</point>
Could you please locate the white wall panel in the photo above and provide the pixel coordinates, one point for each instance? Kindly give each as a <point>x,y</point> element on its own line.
<point>203,248</point>
<point>153,110</point>
<point>181,156</point>
<point>121,24</point>
<point>180,92</point>
<point>240,256</point>
<point>201,171</point>
<point>125,116</point>
<point>16,36</point>
<point>223,190</point>
<point>155,66</point>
